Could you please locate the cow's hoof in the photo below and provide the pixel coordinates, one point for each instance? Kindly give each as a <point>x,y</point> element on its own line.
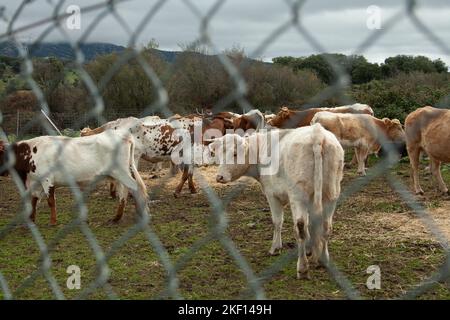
<point>53,224</point>
<point>275,252</point>
<point>176,194</point>
<point>193,191</point>
<point>318,264</point>
<point>420,193</point>
<point>113,221</point>
<point>304,275</point>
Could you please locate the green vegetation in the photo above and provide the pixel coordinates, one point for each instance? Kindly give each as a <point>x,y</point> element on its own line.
<point>382,234</point>
<point>196,80</point>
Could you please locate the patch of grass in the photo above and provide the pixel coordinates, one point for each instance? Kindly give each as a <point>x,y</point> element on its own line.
<point>367,231</point>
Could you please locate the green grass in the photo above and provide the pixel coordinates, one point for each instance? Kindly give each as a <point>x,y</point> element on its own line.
<point>367,231</point>
<point>71,77</point>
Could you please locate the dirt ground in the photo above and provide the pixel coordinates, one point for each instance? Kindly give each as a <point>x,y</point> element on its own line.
<point>371,227</point>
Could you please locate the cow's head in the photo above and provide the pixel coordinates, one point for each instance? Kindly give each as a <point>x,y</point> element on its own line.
<point>394,130</point>
<point>85,131</point>
<point>231,153</point>
<point>280,118</point>
<point>396,138</point>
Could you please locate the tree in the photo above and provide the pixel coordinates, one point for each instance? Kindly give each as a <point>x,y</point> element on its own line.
<point>440,66</point>
<point>407,64</point>
<point>130,86</point>
<point>363,71</point>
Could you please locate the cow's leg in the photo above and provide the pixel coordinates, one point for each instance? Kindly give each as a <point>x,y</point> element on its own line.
<point>354,159</point>
<point>173,169</point>
<point>113,189</point>
<point>361,154</point>
<point>414,154</point>
<point>301,230</point>
<point>276,210</point>
<point>184,177</point>
<point>122,193</point>
<point>357,156</point>
<point>436,171</point>
<point>51,200</point>
<point>327,227</point>
<point>34,201</point>
<point>191,183</point>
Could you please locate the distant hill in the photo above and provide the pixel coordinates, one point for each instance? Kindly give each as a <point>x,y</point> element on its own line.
<point>63,50</point>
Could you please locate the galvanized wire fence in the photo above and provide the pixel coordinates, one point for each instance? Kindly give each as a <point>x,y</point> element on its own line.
<point>219,221</point>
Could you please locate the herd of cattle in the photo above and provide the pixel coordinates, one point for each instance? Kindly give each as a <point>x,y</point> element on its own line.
<point>311,147</point>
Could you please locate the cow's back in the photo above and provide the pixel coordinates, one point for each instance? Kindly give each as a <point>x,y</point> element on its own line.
<point>297,159</point>
<point>83,157</point>
<point>348,128</point>
<point>427,128</point>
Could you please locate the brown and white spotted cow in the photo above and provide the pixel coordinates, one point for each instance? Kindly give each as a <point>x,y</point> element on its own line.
<point>173,141</point>
<point>427,130</point>
<point>361,131</point>
<point>157,142</point>
<point>287,118</point>
<point>47,162</point>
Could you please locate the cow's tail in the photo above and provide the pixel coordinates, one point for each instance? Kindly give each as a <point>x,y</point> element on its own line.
<point>318,167</point>
<point>142,189</point>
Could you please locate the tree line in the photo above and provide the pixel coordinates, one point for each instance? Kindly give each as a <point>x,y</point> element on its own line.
<point>196,80</point>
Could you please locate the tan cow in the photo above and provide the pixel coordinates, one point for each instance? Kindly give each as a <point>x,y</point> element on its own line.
<point>428,130</point>
<point>363,132</point>
<point>287,118</point>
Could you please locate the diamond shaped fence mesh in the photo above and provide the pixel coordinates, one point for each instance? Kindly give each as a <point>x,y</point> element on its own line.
<point>218,223</point>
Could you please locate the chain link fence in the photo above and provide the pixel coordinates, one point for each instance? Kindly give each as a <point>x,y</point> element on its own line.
<point>219,225</point>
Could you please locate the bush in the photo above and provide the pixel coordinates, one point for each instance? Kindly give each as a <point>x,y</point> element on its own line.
<point>398,96</point>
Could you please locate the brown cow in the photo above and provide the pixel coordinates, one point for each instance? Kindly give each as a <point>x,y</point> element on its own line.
<point>253,119</point>
<point>361,131</point>
<point>427,130</point>
<point>287,118</point>
<point>221,122</point>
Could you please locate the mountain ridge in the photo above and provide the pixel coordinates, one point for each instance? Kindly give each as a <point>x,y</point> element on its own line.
<point>63,50</point>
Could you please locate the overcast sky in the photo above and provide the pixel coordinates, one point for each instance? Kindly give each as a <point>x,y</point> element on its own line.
<point>339,26</point>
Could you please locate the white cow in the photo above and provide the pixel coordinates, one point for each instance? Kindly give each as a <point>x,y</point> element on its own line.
<point>310,169</point>
<point>47,162</point>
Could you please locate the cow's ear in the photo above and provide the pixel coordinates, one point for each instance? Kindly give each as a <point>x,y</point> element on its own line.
<point>396,121</point>
<point>386,121</point>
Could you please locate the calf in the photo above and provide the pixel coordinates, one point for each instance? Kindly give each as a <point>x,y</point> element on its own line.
<point>427,131</point>
<point>47,162</point>
<point>310,168</point>
<point>363,132</point>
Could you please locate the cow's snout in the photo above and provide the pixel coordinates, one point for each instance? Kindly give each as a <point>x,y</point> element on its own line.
<point>220,178</point>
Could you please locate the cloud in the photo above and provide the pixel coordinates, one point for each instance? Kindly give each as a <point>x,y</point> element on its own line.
<point>340,26</point>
